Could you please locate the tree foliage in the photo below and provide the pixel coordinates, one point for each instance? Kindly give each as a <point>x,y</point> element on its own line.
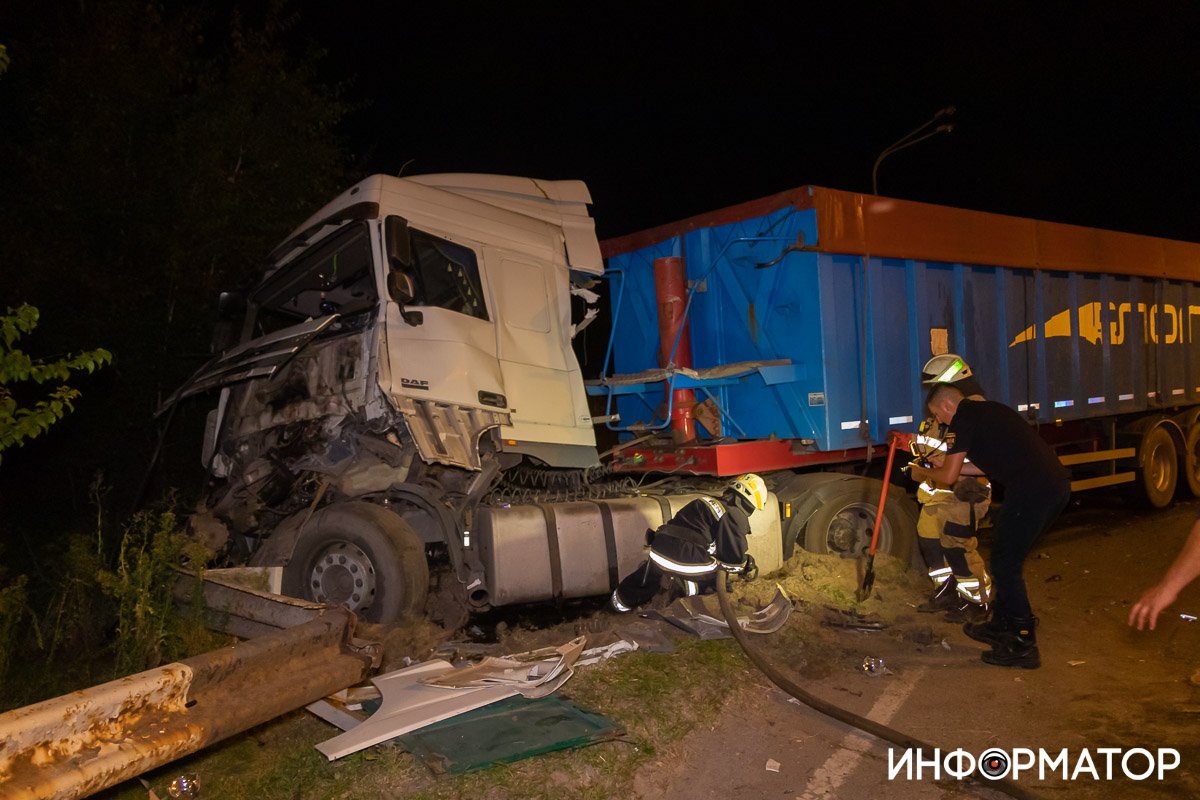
<point>153,153</point>
<point>20,422</point>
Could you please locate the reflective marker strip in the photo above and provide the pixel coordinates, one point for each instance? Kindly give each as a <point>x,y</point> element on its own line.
<point>1125,397</point>
<point>898,420</point>
<point>1151,394</point>
<point>852,424</point>
<point>950,372</point>
<point>1024,407</point>
<point>1094,400</point>
<point>1177,391</point>
<point>1063,403</point>
<point>682,569</point>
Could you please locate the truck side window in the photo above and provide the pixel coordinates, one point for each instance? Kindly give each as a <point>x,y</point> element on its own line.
<point>447,276</point>
<point>335,277</point>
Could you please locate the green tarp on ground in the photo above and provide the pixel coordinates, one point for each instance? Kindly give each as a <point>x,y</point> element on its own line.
<point>506,731</point>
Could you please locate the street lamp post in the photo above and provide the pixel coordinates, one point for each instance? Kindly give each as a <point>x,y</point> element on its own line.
<point>922,133</point>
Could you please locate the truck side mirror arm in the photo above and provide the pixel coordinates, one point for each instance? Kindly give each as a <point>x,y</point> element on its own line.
<point>400,284</point>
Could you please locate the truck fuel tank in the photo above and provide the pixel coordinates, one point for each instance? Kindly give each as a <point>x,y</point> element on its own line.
<point>581,549</point>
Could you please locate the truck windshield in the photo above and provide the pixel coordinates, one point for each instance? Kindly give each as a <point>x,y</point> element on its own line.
<point>334,278</point>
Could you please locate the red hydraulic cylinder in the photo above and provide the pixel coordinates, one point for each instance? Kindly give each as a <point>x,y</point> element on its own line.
<point>671,291</point>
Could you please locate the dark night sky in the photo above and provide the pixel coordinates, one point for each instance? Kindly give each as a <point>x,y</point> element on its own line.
<point>1088,114</point>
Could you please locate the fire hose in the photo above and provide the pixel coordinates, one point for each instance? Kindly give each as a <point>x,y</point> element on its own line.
<point>876,729</point>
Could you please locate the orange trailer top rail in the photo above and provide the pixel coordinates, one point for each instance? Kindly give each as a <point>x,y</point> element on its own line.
<point>864,224</point>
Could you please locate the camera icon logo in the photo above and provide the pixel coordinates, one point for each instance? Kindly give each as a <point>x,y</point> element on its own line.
<point>994,763</point>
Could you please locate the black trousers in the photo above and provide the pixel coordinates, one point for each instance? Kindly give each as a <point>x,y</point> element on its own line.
<point>1027,514</point>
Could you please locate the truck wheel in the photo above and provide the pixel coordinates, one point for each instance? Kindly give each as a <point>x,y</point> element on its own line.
<point>361,556</point>
<point>1159,466</point>
<point>1191,457</point>
<point>798,491</point>
<point>846,517</point>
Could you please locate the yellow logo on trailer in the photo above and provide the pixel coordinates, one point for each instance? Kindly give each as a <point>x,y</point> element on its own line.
<point>1175,326</point>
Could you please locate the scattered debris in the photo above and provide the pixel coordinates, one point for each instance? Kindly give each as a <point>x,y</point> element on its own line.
<point>506,731</point>
<point>697,616</point>
<point>875,667</point>
<point>851,619</point>
<point>432,691</point>
<point>945,644</point>
<point>595,655</point>
<point>185,786</point>
<point>1075,663</point>
<point>1054,578</point>
<point>1188,617</point>
<point>773,765</point>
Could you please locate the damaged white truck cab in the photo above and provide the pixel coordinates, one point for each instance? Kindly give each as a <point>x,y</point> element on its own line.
<point>404,385</point>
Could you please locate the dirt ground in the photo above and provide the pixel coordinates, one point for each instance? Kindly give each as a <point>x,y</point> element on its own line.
<point>1101,684</point>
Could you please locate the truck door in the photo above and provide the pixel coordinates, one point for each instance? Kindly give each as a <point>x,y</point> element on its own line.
<point>545,388</point>
<point>440,347</point>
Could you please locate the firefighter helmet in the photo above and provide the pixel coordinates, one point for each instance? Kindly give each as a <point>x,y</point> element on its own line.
<point>751,487</point>
<point>946,368</point>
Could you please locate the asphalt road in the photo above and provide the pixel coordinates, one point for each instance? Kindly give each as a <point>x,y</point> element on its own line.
<point>1103,691</point>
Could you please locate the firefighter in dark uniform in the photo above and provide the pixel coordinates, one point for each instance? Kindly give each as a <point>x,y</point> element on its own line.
<point>705,537</point>
<point>950,514</point>
<point>1037,487</point>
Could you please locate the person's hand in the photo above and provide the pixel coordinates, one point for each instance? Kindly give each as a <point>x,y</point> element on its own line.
<point>1154,600</point>
<point>917,472</point>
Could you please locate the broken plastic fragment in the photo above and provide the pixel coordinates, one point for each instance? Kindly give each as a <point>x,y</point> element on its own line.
<point>1188,617</point>
<point>773,765</point>
<point>873,666</point>
<point>185,786</point>
<point>1075,663</point>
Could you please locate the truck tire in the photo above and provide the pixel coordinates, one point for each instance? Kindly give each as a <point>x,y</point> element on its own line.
<point>361,556</point>
<point>1191,459</point>
<point>846,517</point>
<point>1158,466</point>
<point>799,492</point>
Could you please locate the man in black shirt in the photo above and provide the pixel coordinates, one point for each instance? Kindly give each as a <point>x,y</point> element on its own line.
<point>1037,486</point>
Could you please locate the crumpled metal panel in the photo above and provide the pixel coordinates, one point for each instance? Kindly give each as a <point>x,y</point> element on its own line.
<point>448,434</point>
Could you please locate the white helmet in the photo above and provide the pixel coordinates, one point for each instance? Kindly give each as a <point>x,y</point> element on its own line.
<point>751,487</point>
<point>946,368</point>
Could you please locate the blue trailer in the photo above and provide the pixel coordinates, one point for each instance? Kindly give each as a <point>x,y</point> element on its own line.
<point>811,313</point>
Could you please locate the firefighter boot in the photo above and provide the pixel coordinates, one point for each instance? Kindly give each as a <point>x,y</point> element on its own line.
<point>991,632</point>
<point>1018,647</point>
<point>944,598</point>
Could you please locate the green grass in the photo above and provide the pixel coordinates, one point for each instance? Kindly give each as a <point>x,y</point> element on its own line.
<point>658,698</point>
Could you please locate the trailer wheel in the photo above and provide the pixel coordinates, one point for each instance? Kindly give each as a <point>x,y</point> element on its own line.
<point>798,491</point>
<point>1191,457</point>
<point>361,556</point>
<point>1158,466</point>
<point>846,517</point>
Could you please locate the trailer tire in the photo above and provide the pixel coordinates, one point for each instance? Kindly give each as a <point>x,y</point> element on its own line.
<point>1191,458</point>
<point>798,491</point>
<point>361,556</point>
<point>1158,466</point>
<point>846,517</point>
